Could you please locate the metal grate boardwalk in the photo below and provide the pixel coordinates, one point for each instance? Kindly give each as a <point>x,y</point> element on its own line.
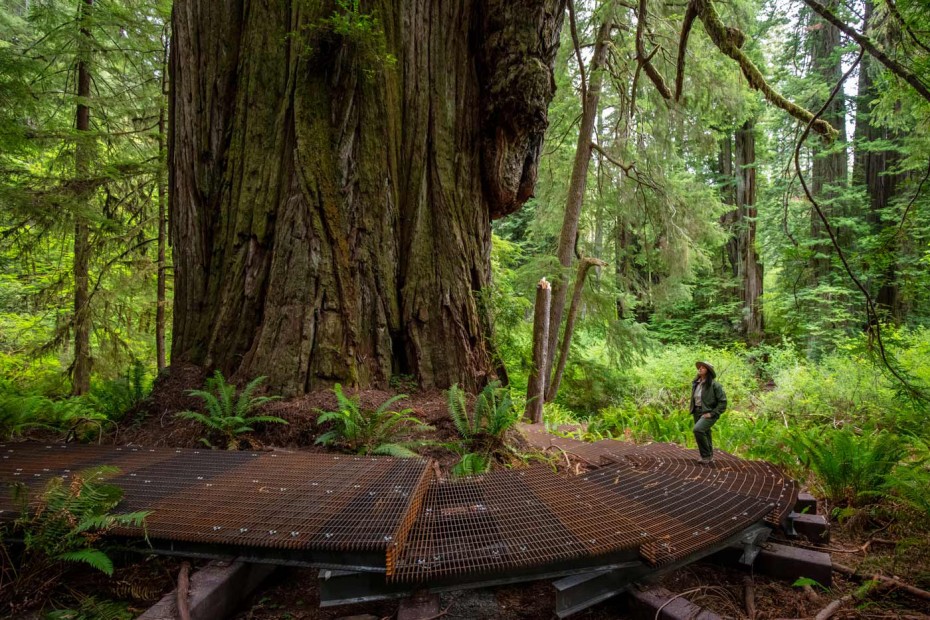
<point>651,502</point>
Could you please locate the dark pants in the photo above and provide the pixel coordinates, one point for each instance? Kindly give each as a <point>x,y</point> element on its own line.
<point>702,435</point>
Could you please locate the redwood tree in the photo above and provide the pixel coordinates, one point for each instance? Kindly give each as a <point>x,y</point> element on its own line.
<point>334,170</point>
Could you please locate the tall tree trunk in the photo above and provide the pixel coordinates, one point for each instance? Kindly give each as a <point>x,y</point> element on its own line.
<point>83,152</point>
<point>576,188</point>
<point>330,207</point>
<point>737,168</point>
<point>160,299</point>
<point>830,168</point>
<point>870,168</point>
<point>749,266</point>
<point>536,383</point>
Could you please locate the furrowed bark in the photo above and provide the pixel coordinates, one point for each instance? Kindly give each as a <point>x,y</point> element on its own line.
<point>161,286</point>
<point>536,385</point>
<point>330,207</point>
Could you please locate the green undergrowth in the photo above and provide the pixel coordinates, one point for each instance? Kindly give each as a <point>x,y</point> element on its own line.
<point>840,424</point>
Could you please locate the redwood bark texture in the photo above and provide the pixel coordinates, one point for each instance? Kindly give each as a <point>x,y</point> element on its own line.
<point>738,167</point>
<point>330,207</point>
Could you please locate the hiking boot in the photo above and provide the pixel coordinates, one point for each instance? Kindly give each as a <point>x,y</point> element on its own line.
<point>706,459</point>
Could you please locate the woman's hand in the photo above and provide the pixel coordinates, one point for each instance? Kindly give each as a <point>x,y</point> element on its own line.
<point>706,415</point>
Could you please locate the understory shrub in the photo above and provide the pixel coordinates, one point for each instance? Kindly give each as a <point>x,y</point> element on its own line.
<point>850,469</point>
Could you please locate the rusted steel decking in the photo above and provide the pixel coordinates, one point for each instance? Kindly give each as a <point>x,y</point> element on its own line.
<point>282,500</point>
<point>652,502</point>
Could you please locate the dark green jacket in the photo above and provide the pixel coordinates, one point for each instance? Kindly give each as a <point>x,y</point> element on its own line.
<point>713,398</point>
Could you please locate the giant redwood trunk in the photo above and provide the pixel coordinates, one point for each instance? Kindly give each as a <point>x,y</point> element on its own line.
<point>332,188</point>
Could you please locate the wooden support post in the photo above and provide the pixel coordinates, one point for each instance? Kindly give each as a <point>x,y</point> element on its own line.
<point>536,387</point>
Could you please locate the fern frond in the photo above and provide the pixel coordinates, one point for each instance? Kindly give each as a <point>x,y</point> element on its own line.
<point>92,557</point>
<point>395,450</point>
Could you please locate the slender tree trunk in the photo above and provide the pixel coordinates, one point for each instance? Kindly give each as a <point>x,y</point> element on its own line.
<point>83,152</point>
<point>536,385</point>
<point>566,341</point>
<point>330,207</point>
<point>576,187</point>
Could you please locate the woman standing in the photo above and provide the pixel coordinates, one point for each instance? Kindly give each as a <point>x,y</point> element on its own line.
<point>708,401</point>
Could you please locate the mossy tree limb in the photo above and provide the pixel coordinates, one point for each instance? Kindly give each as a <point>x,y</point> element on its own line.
<point>729,42</point>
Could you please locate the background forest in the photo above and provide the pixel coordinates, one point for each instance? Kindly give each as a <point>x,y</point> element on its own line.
<point>690,191</point>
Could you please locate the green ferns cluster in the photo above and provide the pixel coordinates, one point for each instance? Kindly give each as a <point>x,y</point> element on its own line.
<point>382,431</point>
<point>59,528</point>
<point>227,415</point>
<point>483,431</point>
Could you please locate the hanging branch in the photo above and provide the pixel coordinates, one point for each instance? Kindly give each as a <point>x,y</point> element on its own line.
<point>729,41</point>
<point>643,59</point>
<point>690,15</point>
<point>574,29</point>
<point>868,45</point>
<point>874,325</point>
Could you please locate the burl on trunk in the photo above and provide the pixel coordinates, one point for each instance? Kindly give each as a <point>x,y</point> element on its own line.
<point>334,172</point>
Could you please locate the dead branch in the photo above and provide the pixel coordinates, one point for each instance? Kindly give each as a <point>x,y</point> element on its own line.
<point>690,15</point>
<point>574,29</point>
<point>832,608</point>
<point>749,597</point>
<point>643,59</point>
<point>885,581</point>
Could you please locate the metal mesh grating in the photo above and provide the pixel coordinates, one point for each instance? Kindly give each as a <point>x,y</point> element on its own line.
<point>676,517</point>
<point>653,500</point>
<point>260,499</point>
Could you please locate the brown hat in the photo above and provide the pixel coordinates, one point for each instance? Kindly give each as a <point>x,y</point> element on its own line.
<point>706,365</point>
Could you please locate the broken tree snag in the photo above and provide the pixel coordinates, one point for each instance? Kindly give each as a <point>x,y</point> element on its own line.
<point>583,268</point>
<point>690,14</point>
<point>729,41</point>
<point>536,387</point>
<point>643,59</point>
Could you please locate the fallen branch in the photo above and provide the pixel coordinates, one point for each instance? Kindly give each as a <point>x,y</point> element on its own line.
<point>183,594</point>
<point>749,597</point>
<point>885,581</point>
<point>832,608</point>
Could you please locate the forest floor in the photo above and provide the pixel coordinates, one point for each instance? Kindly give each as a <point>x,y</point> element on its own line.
<point>897,548</point>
